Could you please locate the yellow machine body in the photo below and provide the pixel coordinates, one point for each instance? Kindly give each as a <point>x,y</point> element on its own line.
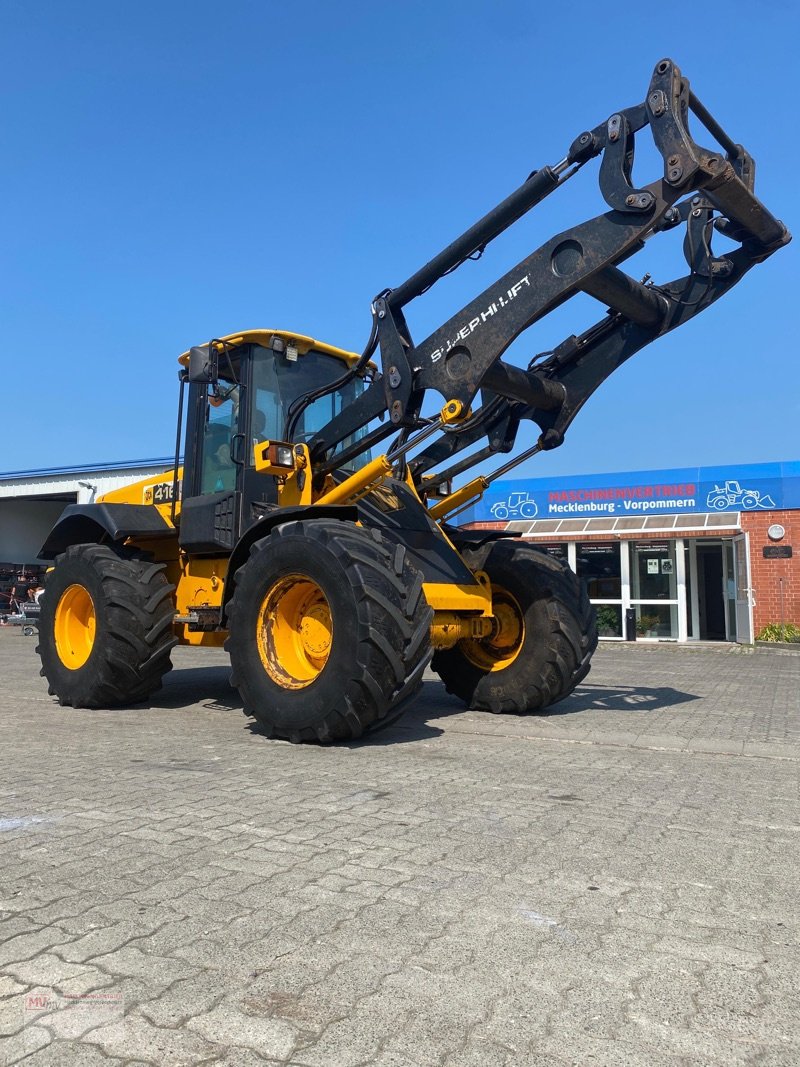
<point>460,611</point>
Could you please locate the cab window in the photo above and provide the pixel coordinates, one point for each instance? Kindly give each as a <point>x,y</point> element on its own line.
<point>218,471</point>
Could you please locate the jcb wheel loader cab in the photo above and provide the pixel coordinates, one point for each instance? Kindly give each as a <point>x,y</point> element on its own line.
<point>543,640</point>
<point>329,631</point>
<point>257,378</point>
<point>105,627</point>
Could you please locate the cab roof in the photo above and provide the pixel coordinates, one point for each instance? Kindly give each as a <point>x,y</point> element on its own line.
<point>302,343</point>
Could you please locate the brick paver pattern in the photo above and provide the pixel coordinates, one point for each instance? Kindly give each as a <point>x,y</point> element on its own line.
<point>613,883</point>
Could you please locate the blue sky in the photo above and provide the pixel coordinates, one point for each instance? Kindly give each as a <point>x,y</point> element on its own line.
<point>179,170</point>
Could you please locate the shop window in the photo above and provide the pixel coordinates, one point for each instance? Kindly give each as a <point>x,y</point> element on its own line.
<point>557,551</point>
<point>657,620</point>
<point>598,563</point>
<point>653,574</point>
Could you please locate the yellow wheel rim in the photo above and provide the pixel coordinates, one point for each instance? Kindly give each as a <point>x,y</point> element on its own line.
<point>498,651</point>
<point>75,625</point>
<point>294,631</point>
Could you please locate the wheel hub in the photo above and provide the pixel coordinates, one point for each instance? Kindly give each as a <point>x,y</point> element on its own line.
<point>315,630</point>
<point>294,632</point>
<point>502,646</point>
<point>508,627</point>
<point>74,626</point>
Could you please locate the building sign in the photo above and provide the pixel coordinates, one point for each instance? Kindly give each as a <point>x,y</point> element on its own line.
<point>777,551</point>
<point>694,490</point>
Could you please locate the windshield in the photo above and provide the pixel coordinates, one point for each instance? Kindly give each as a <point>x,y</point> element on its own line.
<point>278,381</point>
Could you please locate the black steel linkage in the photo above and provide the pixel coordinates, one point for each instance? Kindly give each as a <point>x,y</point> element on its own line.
<point>369,440</point>
<point>500,428</point>
<point>615,167</point>
<point>370,405</point>
<point>604,348</point>
<point>456,358</point>
<point>687,165</point>
<point>639,303</point>
<point>463,355</point>
<point>432,481</point>
<point>734,150</point>
<point>539,185</point>
<point>527,386</point>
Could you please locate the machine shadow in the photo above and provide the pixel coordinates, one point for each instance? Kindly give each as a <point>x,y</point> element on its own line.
<point>210,688</point>
<point>625,698</point>
<point>418,721</point>
<point>207,686</point>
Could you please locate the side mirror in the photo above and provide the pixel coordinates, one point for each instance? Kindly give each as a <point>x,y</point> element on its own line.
<point>203,366</point>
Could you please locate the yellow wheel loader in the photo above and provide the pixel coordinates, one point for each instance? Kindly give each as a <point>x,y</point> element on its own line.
<point>310,527</point>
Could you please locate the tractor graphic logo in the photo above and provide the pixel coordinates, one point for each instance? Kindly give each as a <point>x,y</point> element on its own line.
<point>517,506</point>
<point>731,495</point>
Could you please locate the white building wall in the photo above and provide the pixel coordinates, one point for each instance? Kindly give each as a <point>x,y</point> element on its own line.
<point>26,519</point>
<point>24,526</point>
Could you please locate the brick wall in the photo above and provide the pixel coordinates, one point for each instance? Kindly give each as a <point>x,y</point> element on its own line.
<point>767,573</point>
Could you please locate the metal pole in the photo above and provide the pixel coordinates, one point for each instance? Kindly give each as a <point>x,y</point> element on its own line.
<point>713,127</point>
<point>416,439</point>
<point>512,463</point>
<point>539,185</point>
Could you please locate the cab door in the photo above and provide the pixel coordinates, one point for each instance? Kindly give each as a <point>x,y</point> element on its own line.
<point>213,483</point>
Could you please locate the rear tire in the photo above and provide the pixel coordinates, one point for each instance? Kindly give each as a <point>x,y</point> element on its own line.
<point>329,631</point>
<point>105,627</point>
<point>546,647</point>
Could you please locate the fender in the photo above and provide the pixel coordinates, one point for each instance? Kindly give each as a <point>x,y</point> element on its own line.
<point>265,525</point>
<point>463,538</point>
<point>82,524</point>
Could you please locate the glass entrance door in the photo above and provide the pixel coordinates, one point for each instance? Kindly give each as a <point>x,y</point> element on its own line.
<point>744,591</point>
<point>654,588</point>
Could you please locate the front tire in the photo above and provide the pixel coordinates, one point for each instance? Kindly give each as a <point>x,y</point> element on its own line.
<point>329,631</point>
<point>545,641</point>
<point>105,627</point>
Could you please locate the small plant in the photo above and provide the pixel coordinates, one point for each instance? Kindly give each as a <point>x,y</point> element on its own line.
<point>776,631</point>
<point>608,620</point>
<point>646,622</point>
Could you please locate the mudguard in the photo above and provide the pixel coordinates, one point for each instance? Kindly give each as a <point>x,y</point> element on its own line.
<point>96,523</point>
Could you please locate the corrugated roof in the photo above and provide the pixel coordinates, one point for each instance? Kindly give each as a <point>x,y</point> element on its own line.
<point>84,468</point>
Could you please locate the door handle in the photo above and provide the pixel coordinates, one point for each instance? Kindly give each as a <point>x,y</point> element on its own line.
<point>236,449</point>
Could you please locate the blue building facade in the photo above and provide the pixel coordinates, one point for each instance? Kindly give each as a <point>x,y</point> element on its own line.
<point>695,553</point>
<point>679,491</point>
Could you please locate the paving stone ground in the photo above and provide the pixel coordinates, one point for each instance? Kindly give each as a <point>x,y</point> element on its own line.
<point>614,883</point>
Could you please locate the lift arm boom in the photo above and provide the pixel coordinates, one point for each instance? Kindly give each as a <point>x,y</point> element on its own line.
<point>702,189</point>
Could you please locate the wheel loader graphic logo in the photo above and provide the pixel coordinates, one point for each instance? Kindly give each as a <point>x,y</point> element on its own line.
<point>517,506</point>
<point>731,495</point>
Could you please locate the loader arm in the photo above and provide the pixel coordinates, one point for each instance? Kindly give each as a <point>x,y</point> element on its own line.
<point>700,190</point>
